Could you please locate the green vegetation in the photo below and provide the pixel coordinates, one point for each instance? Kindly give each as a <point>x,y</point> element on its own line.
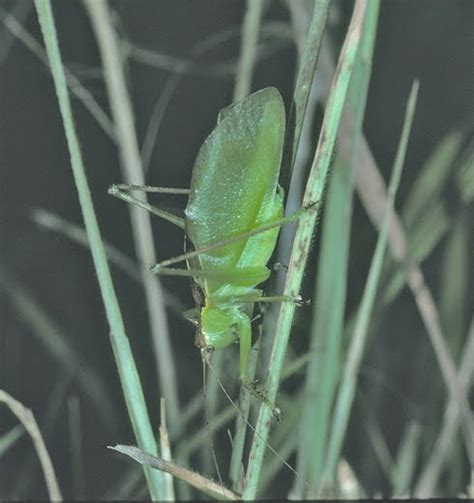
<point>363,390</point>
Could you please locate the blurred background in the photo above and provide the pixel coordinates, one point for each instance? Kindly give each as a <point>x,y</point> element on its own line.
<point>55,353</point>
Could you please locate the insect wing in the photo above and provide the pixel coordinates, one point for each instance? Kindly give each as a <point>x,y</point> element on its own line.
<point>235,176</point>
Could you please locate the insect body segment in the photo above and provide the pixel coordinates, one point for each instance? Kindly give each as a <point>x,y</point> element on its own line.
<point>234,189</point>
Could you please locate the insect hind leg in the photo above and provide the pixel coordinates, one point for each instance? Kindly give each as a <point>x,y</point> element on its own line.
<point>235,239</point>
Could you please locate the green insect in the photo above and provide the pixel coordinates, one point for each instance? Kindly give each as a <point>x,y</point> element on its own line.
<point>232,219</point>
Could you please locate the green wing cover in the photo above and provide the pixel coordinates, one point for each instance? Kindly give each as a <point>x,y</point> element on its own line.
<point>235,180</point>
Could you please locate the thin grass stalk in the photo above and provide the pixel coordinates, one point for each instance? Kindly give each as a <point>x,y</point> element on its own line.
<point>128,373</point>
<point>26,476</point>
<point>309,45</point>
<point>328,313</point>
<point>427,481</point>
<point>194,479</point>
<point>165,449</point>
<point>180,68</point>
<point>355,353</point>
<point>248,48</point>
<point>372,192</point>
<point>379,445</point>
<point>77,234</point>
<point>26,418</point>
<point>80,92</point>
<point>405,462</point>
<point>76,444</point>
<point>10,438</point>
<point>122,113</point>
<point>58,346</point>
<point>309,61</point>
<point>55,223</point>
<point>307,32</point>
<point>306,225</point>
<point>20,11</point>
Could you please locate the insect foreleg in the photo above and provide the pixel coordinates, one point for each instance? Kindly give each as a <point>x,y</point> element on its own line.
<point>152,189</point>
<point>114,190</point>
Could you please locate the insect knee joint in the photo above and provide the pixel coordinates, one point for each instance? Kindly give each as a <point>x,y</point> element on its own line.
<point>300,302</point>
<point>312,206</point>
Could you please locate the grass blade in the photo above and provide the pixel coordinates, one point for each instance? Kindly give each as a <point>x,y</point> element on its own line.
<point>76,445</point>
<point>432,178</point>
<point>355,353</point>
<point>58,345</point>
<point>465,175</point>
<point>133,174</point>
<point>10,438</point>
<point>330,292</point>
<point>304,234</point>
<point>198,481</point>
<point>26,418</point>
<point>126,364</point>
<point>76,234</point>
<point>405,462</point>
<point>74,84</point>
<point>427,482</point>
<point>248,48</point>
<point>454,295</point>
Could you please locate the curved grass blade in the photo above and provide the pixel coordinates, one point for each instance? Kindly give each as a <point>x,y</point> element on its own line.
<point>25,416</point>
<point>194,479</point>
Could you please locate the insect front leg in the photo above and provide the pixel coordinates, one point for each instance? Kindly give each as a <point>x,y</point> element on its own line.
<point>119,192</point>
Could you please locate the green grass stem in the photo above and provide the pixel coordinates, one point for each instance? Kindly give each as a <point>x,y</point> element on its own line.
<point>304,234</point>
<point>328,313</point>
<point>133,174</point>
<point>309,61</point>
<point>76,447</point>
<point>248,48</point>
<point>125,362</point>
<point>355,352</point>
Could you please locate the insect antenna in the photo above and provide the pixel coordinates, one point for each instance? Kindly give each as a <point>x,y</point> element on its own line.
<point>205,362</point>
<point>236,407</point>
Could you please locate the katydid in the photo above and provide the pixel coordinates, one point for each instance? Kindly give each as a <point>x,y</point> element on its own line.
<point>232,218</point>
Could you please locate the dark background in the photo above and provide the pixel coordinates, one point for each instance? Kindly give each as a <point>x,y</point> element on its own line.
<point>427,39</point>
